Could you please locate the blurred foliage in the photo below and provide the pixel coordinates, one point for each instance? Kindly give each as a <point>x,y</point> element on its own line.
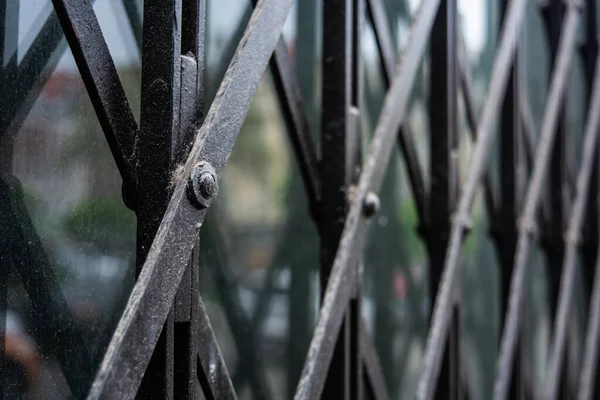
<point>101,221</point>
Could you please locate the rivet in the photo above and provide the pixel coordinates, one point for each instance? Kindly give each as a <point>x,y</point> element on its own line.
<point>370,204</point>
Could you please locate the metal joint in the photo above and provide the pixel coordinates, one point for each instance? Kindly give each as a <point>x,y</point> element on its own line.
<point>371,204</point>
<point>203,185</point>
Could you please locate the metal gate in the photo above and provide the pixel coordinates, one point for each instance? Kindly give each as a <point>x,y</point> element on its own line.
<point>539,186</point>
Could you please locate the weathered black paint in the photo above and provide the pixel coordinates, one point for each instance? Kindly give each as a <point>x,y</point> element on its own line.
<point>172,111</point>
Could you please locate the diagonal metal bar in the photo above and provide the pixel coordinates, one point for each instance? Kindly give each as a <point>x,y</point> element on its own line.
<point>383,36</point>
<point>49,306</point>
<point>528,140</point>
<point>83,33</point>
<point>589,365</point>
<point>527,223</point>
<point>466,83</point>
<point>212,371</point>
<point>137,333</point>
<point>250,365</point>
<point>290,99</point>
<point>528,127</point>
<point>405,135</point>
<point>33,71</point>
<point>444,303</point>
<point>341,280</point>
<point>375,382</point>
<point>572,241</point>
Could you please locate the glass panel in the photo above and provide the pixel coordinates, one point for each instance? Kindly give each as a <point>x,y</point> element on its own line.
<point>480,304</point>
<point>537,323</point>
<point>479,23</point>
<point>396,302</point>
<point>264,280</point>
<point>121,26</point>
<point>67,248</point>
<point>226,21</point>
<point>31,18</point>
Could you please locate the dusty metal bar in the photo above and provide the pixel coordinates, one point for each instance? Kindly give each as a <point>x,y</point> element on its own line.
<point>151,299</point>
<point>527,222</point>
<point>233,310</point>
<point>341,279</point>
<point>212,371</point>
<point>443,190</point>
<point>187,318</point>
<point>340,148</point>
<point>445,297</point>
<point>573,239</point>
<point>83,33</point>
<point>158,148</point>
<point>405,135</point>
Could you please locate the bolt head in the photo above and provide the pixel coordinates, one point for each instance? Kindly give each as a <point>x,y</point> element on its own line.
<point>370,204</point>
<point>203,185</point>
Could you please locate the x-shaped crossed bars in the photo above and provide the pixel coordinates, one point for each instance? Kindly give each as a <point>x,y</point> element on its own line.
<point>176,230</point>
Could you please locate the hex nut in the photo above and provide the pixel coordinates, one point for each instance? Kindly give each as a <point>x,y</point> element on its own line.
<point>203,185</point>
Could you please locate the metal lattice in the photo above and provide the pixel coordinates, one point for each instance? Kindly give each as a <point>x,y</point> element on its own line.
<point>170,166</point>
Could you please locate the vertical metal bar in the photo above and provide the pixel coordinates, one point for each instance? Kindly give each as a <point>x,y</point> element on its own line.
<point>191,102</point>
<point>340,146</point>
<point>99,75</point>
<point>161,50</point>
<point>444,177</point>
<point>505,229</point>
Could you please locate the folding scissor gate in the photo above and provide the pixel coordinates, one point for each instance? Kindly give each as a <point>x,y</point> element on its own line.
<point>171,164</point>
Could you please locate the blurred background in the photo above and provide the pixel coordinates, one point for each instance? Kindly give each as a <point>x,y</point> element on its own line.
<point>61,196</point>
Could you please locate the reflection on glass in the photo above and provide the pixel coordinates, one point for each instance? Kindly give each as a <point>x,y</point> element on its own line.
<point>259,248</point>
<point>67,247</point>
<point>395,300</point>
<point>480,304</point>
